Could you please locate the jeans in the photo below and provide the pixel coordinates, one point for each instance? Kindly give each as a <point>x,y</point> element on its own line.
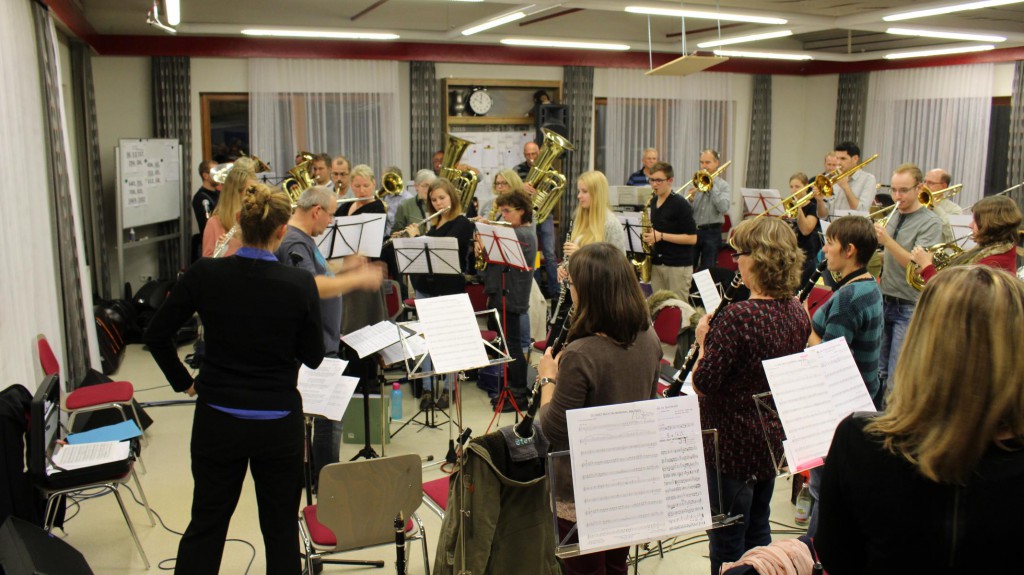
<point>894,329</point>
<point>814,487</point>
<point>427,365</point>
<point>709,243</point>
<point>546,241</point>
<point>750,498</point>
<point>524,331</point>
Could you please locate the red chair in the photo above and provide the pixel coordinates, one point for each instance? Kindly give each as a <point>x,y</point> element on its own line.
<point>477,297</point>
<point>667,323</point>
<point>435,495</point>
<point>393,299</point>
<point>113,395</point>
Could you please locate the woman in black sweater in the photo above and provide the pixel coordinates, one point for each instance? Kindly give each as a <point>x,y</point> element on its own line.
<point>451,224</point>
<point>261,319</point>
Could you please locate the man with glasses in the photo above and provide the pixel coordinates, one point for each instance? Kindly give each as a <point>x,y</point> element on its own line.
<point>672,235</point>
<point>910,226</point>
<point>939,179</point>
<point>545,229</point>
<point>709,211</point>
<point>641,176</point>
<point>855,192</point>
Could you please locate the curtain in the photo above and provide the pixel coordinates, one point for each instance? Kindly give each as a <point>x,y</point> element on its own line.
<point>336,107</point>
<point>424,115</point>
<point>74,296</point>
<point>909,120</point>
<point>851,107</point>
<point>677,116</point>
<point>578,97</point>
<point>172,118</point>
<point>90,178</point>
<point>1015,167</point>
<point>759,151</point>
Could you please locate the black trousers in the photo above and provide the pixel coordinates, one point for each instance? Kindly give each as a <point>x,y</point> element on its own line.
<point>223,447</point>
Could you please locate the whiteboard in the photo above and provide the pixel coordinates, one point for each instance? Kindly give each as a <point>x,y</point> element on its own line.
<point>491,152</point>
<point>148,181</point>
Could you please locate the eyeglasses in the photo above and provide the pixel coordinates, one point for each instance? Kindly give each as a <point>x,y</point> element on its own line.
<point>657,180</point>
<point>903,190</point>
<point>501,183</point>
<point>736,255</point>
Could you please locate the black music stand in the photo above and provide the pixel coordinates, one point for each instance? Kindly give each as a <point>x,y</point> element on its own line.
<point>349,235</point>
<point>634,233</point>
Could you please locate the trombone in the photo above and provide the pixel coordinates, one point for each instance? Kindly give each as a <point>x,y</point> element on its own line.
<point>824,182</point>
<point>930,199</point>
<point>703,181</point>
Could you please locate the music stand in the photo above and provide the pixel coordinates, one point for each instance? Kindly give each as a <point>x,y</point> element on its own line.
<point>347,235</point>
<point>322,398</point>
<point>757,201</point>
<point>634,231</point>
<point>765,414</point>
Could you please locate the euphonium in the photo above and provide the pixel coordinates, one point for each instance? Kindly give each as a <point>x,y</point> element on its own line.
<point>704,180</point>
<point>643,265</point>
<point>942,256</point>
<point>548,183</point>
<point>464,181</point>
<point>300,178</point>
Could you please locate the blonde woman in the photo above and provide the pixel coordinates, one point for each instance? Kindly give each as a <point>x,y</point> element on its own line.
<point>225,216</point>
<point>594,220</point>
<point>505,181</point>
<point>943,466</point>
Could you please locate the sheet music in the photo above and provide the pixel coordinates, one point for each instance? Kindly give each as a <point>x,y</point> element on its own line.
<point>396,352</point>
<point>707,289</point>
<point>630,222</point>
<point>453,336</point>
<point>89,454</point>
<point>960,224</point>
<point>325,391</point>
<point>363,234</point>
<point>813,391</point>
<point>372,338</point>
<point>427,254</point>
<point>756,201</point>
<point>638,472</point>
<point>501,246</point>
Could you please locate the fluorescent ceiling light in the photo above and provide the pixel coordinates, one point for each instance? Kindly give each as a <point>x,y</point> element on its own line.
<point>173,8</point>
<point>748,38</point>
<point>467,0</point>
<point>948,9</point>
<point>320,34</point>
<point>948,35</point>
<point>494,23</point>
<point>770,55</point>
<point>938,52</point>
<point>563,44</point>
<point>704,14</point>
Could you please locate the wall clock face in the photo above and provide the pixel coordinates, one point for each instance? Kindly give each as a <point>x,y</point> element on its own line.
<point>480,102</point>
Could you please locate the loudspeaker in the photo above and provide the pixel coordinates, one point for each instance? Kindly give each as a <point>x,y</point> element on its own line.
<point>554,117</point>
<point>26,549</point>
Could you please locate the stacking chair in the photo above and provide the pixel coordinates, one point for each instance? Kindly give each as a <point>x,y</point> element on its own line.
<point>393,299</point>
<point>667,325</point>
<point>106,477</point>
<point>357,505</point>
<point>113,395</point>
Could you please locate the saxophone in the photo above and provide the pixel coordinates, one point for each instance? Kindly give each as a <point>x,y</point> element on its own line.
<point>481,262</point>
<point>643,265</point>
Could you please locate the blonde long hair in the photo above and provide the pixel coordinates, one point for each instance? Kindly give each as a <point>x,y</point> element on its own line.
<point>958,381</point>
<point>589,222</point>
<point>230,201</point>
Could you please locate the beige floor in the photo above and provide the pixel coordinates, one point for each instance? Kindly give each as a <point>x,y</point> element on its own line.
<point>99,532</point>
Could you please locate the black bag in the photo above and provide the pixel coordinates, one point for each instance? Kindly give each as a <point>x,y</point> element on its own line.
<point>122,311</point>
<point>110,330</point>
<point>149,298</point>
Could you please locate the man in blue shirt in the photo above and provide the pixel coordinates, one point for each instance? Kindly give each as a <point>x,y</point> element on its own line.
<point>639,177</point>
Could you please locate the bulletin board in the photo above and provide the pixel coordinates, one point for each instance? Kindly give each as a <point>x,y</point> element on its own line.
<point>492,151</point>
<point>148,181</point>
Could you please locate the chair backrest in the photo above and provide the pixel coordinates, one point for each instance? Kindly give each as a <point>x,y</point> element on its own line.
<point>393,299</point>
<point>667,324</point>
<point>47,360</point>
<point>477,297</point>
<point>359,500</point>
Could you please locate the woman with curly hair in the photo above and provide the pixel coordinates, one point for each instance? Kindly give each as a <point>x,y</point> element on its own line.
<point>770,324</point>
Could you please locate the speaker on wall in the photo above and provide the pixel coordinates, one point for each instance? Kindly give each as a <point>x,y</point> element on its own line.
<point>27,549</point>
<point>554,117</point>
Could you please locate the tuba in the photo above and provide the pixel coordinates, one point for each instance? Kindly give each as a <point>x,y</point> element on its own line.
<point>549,183</point>
<point>464,181</point>
<point>704,181</point>
<point>299,179</point>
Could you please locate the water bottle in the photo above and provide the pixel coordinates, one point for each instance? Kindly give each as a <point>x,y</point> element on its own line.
<point>804,502</point>
<point>131,235</point>
<point>396,400</point>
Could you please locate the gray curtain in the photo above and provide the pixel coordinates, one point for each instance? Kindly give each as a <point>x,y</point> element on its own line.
<point>172,118</point>
<point>76,347</point>
<point>578,98</point>
<point>1015,166</point>
<point>759,150</point>
<point>851,107</point>
<point>424,115</point>
<point>90,180</point>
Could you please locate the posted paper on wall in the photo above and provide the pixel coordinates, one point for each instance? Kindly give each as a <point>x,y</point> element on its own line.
<point>638,472</point>
<point>813,391</point>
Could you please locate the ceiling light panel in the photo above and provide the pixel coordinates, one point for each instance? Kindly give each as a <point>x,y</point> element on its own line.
<point>706,15</point>
<point>946,35</point>
<point>769,55</point>
<point>747,38</point>
<point>948,9</point>
<point>500,21</point>
<point>325,34</point>
<point>564,44</point>
<point>938,52</point>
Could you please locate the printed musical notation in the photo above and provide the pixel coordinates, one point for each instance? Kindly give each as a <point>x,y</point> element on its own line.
<point>453,336</point>
<point>638,472</point>
<point>813,391</point>
<point>325,391</point>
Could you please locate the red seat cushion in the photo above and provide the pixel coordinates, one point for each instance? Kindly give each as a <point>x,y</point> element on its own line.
<point>89,396</point>
<point>324,537</point>
<point>438,491</point>
<point>488,334</point>
<point>410,302</point>
<point>667,324</point>
<point>540,345</point>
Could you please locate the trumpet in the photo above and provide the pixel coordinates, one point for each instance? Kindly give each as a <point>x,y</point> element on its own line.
<point>704,181</point>
<point>405,234</point>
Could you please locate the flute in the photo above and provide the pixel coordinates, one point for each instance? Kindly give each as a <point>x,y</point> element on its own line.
<point>222,245</point>
<point>405,234</point>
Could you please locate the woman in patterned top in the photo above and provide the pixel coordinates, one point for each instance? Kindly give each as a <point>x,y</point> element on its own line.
<point>771,324</point>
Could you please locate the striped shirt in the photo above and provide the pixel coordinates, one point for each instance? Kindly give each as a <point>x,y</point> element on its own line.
<point>855,313</point>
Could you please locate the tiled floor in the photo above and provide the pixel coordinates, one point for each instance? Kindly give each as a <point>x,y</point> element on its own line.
<point>99,532</point>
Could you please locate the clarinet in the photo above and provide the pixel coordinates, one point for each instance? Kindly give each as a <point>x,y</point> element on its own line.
<point>524,429</point>
<point>691,356</point>
<point>806,290</point>
<point>563,290</point>
<point>400,544</point>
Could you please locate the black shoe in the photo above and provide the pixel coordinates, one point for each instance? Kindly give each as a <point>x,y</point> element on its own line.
<point>426,400</point>
<point>442,401</point>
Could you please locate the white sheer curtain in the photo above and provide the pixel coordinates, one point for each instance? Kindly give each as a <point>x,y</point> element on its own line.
<point>336,107</point>
<point>932,117</point>
<point>678,116</point>
<point>28,285</point>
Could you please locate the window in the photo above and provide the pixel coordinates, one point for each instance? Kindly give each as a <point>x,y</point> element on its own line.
<point>225,126</point>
